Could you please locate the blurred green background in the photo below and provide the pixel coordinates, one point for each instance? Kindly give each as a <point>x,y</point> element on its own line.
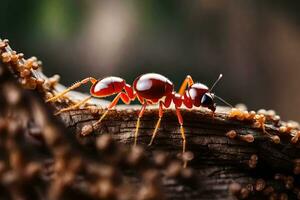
<point>255,44</point>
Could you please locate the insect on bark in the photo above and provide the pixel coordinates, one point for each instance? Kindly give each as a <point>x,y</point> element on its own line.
<point>150,88</point>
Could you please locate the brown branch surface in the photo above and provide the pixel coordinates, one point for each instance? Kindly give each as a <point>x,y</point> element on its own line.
<point>232,154</point>
<point>218,160</point>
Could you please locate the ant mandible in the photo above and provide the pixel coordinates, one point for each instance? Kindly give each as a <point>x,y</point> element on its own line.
<point>150,88</point>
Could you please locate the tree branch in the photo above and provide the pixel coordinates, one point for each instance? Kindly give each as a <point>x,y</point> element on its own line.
<point>232,154</point>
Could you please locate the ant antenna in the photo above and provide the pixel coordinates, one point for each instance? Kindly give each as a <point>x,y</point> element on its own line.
<point>212,87</point>
<point>223,101</point>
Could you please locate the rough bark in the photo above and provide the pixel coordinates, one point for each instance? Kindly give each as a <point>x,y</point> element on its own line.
<point>218,160</point>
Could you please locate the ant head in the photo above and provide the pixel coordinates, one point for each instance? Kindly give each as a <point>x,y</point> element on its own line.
<point>201,95</point>
<point>207,101</point>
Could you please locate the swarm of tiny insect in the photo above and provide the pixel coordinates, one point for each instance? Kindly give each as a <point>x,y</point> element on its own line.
<point>258,120</point>
<point>26,68</point>
<point>262,189</point>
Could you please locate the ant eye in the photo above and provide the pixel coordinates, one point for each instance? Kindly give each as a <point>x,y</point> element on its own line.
<point>207,100</point>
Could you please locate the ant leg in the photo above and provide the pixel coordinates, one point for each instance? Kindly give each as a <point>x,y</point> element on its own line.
<point>160,113</point>
<point>72,87</point>
<point>187,81</point>
<point>111,105</point>
<point>180,120</point>
<point>138,122</point>
<point>166,103</point>
<point>124,97</point>
<point>77,105</point>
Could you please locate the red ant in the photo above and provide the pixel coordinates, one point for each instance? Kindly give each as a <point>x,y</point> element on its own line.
<point>149,89</point>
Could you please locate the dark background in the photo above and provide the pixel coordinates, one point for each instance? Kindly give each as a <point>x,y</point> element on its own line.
<point>255,44</point>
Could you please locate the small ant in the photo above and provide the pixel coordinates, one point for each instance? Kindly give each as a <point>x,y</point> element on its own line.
<point>150,88</point>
